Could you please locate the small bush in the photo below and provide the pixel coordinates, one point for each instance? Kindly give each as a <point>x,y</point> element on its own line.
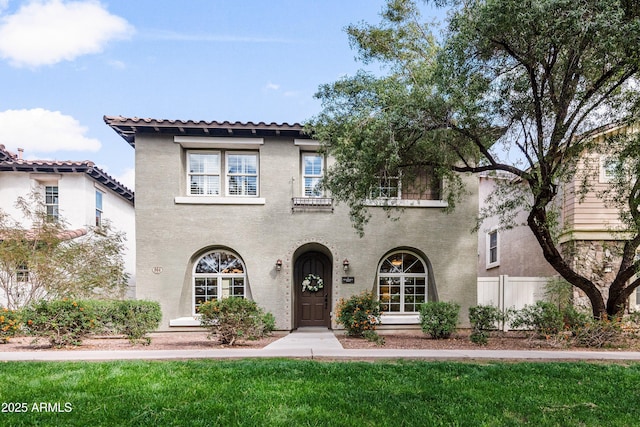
<point>9,324</point>
<point>439,319</point>
<point>544,318</point>
<point>231,319</point>
<point>62,322</point>
<point>136,318</point>
<point>483,319</point>
<point>359,314</point>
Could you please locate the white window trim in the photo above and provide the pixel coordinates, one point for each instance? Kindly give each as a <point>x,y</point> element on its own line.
<point>219,200</point>
<point>189,173</point>
<point>307,143</point>
<point>101,210</point>
<point>406,203</point>
<point>303,175</point>
<point>219,277</point>
<point>226,173</point>
<point>399,317</point>
<point>218,143</point>
<point>224,198</point>
<point>495,263</point>
<point>604,177</point>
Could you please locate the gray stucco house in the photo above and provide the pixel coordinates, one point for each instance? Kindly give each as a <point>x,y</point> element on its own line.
<point>227,209</point>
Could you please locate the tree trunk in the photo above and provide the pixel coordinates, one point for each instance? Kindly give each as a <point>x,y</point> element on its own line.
<point>537,222</point>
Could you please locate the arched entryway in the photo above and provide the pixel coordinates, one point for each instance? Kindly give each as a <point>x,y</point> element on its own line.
<point>312,282</point>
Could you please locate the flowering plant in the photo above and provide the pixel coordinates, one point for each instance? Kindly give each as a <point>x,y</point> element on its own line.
<point>9,324</point>
<point>312,283</point>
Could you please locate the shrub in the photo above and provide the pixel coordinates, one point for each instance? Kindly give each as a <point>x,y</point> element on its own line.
<point>234,318</point>
<point>62,322</point>
<point>9,324</point>
<point>359,314</point>
<point>136,318</point>
<point>439,319</point>
<point>483,319</point>
<point>543,317</point>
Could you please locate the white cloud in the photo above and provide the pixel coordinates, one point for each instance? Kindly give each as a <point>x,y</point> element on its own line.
<point>45,131</point>
<point>47,32</point>
<point>116,64</point>
<point>127,178</point>
<point>272,86</point>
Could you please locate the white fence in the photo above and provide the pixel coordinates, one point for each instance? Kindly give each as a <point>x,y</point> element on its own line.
<point>507,292</point>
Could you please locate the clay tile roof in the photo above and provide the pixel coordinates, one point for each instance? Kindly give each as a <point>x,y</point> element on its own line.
<point>128,128</point>
<point>54,166</point>
<point>5,154</point>
<point>63,235</point>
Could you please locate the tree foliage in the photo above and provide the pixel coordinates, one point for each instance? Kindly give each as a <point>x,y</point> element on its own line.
<point>510,86</point>
<point>41,259</point>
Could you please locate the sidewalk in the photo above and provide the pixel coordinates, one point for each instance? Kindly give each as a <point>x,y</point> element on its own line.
<point>321,345</point>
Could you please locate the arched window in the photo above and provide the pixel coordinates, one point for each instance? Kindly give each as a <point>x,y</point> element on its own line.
<point>216,275</point>
<point>402,283</point>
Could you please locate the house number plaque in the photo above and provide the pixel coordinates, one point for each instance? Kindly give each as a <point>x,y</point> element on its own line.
<point>156,270</point>
<point>348,280</point>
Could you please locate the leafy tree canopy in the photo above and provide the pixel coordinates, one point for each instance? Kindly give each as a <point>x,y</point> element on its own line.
<point>509,86</point>
<point>40,258</point>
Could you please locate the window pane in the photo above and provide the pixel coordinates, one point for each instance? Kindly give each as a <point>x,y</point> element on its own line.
<point>208,264</point>
<point>312,187</point>
<point>204,163</point>
<point>243,186</point>
<point>99,200</point>
<point>313,164</point>
<point>230,264</point>
<point>242,164</point>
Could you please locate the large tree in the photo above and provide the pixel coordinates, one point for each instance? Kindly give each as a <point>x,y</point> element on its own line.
<point>508,86</point>
<point>40,258</point>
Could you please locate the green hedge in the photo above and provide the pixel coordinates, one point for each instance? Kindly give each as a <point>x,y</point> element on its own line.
<point>67,322</point>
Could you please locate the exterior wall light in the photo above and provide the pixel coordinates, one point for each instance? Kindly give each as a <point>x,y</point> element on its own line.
<point>345,264</point>
<point>279,265</point>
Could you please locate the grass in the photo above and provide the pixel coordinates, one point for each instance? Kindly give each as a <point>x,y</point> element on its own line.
<point>311,393</point>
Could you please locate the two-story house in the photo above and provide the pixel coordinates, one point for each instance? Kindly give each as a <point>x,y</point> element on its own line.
<point>233,209</point>
<point>590,226</point>
<point>78,191</point>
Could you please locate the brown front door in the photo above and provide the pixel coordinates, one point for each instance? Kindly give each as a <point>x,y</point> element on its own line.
<point>313,308</point>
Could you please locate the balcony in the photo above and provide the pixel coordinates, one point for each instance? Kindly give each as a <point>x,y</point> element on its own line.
<point>308,204</point>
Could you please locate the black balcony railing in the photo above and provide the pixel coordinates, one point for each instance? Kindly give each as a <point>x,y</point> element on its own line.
<point>304,204</point>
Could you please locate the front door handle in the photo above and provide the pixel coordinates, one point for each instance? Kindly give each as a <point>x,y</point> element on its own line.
<point>326,301</point>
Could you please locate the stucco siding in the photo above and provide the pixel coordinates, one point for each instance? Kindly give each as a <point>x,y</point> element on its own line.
<point>172,233</point>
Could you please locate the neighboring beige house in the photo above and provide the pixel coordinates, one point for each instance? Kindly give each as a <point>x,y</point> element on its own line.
<point>588,234</point>
<point>227,209</point>
<point>78,191</point>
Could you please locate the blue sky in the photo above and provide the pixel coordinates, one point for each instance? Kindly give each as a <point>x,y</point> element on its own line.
<point>66,64</point>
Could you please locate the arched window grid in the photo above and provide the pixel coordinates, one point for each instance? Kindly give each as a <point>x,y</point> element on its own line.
<point>216,275</point>
<point>402,283</point>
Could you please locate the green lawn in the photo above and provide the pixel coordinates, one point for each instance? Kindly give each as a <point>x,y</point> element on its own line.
<point>310,393</point>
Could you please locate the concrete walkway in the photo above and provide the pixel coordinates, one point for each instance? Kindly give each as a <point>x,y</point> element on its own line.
<point>317,344</point>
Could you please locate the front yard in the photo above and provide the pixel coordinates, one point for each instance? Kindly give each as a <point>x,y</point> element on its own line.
<point>290,392</point>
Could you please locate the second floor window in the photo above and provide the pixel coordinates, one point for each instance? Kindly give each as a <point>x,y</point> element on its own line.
<point>493,254</point>
<point>207,171</point>
<point>204,174</point>
<point>51,201</point>
<point>421,184</point>
<point>312,173</point>
<point>242,174</point>
<point>98,208</point>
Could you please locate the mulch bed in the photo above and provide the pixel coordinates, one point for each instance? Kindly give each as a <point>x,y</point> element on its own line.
<point>413,339</point>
